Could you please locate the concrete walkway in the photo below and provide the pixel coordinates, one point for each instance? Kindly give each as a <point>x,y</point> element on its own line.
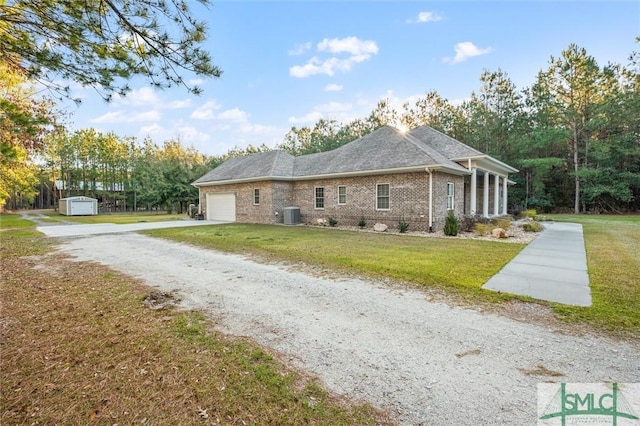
<point>552,267</point>
<point>64,230</point>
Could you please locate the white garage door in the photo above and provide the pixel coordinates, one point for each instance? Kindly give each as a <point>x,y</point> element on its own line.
<point>221,207</point>
<point>81,208</point>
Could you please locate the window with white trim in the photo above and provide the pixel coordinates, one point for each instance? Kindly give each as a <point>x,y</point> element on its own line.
<point>256,196</point>
<point>382,196</point>
<point>319,198</point>
<point>342,195</point>
<point>450,191</point>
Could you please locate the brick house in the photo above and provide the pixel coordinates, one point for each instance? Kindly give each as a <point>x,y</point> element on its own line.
<point>383,177</point>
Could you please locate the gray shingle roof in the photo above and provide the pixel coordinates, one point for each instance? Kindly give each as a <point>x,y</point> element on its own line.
<point>384,149</point>
<point>448,146</point>
<point>264,164</point>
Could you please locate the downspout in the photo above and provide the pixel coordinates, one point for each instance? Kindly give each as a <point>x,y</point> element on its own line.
<point>430,199</point>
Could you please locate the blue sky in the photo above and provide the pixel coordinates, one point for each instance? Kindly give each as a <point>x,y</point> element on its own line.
<point>289,63</point>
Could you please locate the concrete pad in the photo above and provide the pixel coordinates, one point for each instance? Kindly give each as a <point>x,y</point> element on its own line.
<point>576,263</point>
<point>112,228</point>
<point>545,273</point>
<point>552,267</point>
<point>553,291</point>
<point>560,254</point>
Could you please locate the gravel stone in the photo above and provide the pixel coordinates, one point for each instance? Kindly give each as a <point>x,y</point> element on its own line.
<point>425,362</point>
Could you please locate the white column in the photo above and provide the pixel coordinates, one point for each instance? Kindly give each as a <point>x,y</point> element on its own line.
<point>474,186</point>
<point>504,196</point>
<point>496,195</point>
<point>430,201</point>
<point>485,195</point>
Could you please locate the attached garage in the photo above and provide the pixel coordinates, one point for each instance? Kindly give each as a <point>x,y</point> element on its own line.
<point>78,206</point>
<point>221,206</point>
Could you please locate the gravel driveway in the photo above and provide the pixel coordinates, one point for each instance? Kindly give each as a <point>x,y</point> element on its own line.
<point>425,362</point>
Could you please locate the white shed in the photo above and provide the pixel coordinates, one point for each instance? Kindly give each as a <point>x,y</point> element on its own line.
<point>78,206</point>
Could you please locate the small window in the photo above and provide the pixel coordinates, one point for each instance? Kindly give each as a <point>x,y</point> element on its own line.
<point>256,196</point>
<point>342,195</point>
<point>450,188</point>
<point>320,198</point>
<point>382,199</point>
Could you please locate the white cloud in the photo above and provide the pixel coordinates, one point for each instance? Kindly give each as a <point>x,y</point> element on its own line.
<point>425,17</point>
<point>206,111</point>
<point>310,117</point>
<point>315,66</point>
<point>126,117</point>
<point>234,114</point>
<point>333,107</point>
<point>191,135</point>
<point>336,110</point>
<point>178,104</point>
<point>300,48</point>
<point>464,51</point>
<point>333,88</point>
<point>351,45</point>
<point>357,51</point>
<point>143,96</point>
<point>188,135</point>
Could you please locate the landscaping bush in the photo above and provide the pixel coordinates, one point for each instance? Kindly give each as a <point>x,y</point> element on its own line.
<point>332,222</point>
<point>532,227</point>
<point>531,213</point>
<point>403,226</point>
<point>362,223</point>
<point>451,225</point>
<point>482,229</point>
<point>503,222</point>
<point>469,222</point>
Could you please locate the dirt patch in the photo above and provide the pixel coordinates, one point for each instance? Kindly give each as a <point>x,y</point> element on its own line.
<point>159,300</point>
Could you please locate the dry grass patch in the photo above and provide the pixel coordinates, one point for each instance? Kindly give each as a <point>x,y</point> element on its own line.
<point>78,345</point>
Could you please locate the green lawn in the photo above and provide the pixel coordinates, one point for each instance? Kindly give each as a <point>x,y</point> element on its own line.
<point>459,266</point>
<point>613,259</point>
<point>118,218</point>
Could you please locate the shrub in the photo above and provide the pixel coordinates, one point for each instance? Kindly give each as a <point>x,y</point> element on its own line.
<point>362,223</point>
<point>482,229</point>
<point>529,213</point>
<point>451,225</point>
<point>532,227</point>
<point>469,222</point>
<point>403,226</point>
<point>332,222</point>
<point>503,222</point>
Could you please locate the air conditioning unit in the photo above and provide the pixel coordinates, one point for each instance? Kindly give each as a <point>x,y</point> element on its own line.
<point>291,215</point>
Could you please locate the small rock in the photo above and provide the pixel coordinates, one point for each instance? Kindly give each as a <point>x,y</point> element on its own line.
<point>380,227</point>
<point>322,222</point>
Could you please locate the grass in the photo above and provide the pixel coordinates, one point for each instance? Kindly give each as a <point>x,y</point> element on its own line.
<point>79,346</point>
<point>613,244</point>
<point>118,218</point>
<point>459,266</point>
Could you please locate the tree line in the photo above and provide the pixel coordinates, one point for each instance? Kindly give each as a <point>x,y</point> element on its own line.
<point>574,134</point>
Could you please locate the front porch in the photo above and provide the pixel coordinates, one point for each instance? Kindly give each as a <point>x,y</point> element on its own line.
<point>486,189</point>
